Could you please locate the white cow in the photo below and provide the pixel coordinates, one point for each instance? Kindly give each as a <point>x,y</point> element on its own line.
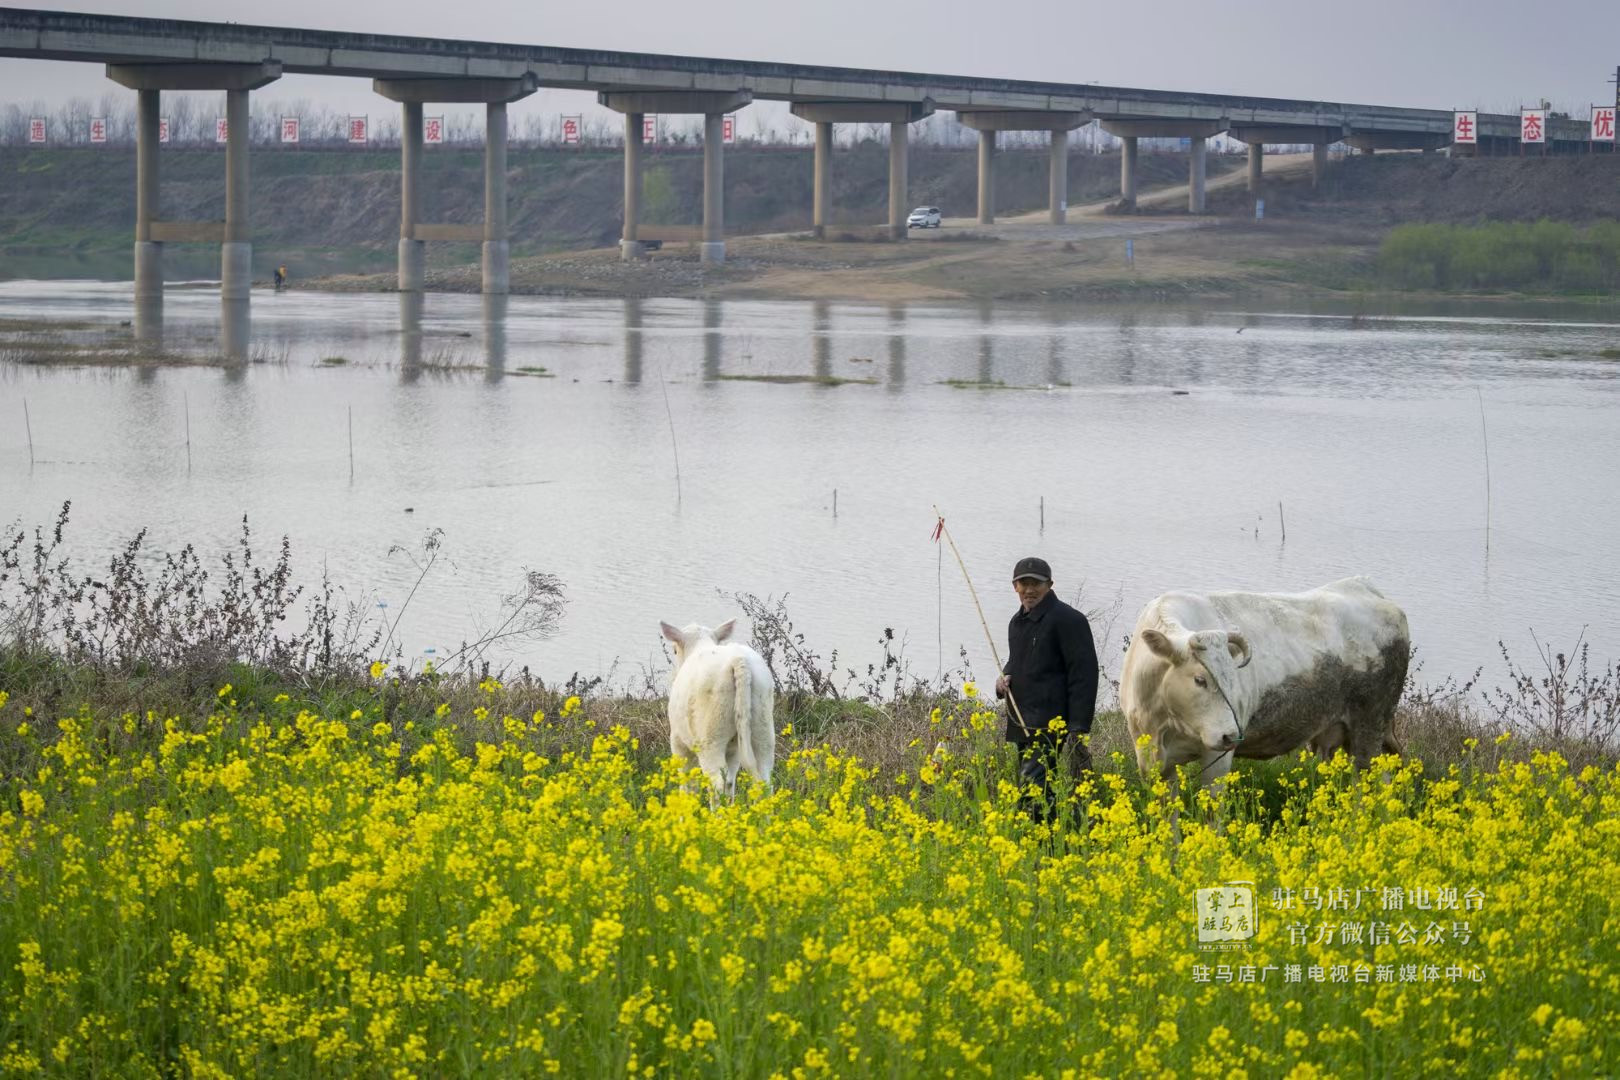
<point>721,701</point>
<point>1213,676</point>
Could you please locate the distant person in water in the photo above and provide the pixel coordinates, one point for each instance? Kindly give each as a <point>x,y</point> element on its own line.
<point>281,277</point>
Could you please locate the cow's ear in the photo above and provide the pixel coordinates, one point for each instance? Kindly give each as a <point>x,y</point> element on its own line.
<point>1160,644</point>
<point>673,634</point>
<point>1238,646</point>
<point>723,631</point>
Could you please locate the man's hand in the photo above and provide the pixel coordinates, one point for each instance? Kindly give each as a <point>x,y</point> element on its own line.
<point>1002,686</point>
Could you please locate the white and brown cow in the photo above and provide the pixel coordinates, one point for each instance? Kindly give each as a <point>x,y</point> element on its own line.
<point>1213,676</point>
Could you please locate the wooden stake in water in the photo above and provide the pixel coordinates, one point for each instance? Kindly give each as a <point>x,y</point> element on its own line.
<point>1043,513</point>
<point>29,424</point>
<point>835,502</point>
<point>351,442</point>
<point>670,416</point>
<point>186,398</point>
<point>1485,444</point>
<point>1282,521</point>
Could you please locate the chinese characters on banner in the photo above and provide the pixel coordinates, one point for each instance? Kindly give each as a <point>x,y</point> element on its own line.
<point>1465,128</point>
<point>36,129</point>
<point>163,129</point>
<point>570,129</point>
<point>289,129</point>
<point>1603,123</point>
<point>1533,125</point>
<point>220,129</point>
<point>98,129</point>
<point>728,128</point>
<point>357,129</point>
<point>649,128</point>
<point>433,130</point>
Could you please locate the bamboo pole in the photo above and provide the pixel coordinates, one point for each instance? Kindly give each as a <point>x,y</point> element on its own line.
<point>995,654</point>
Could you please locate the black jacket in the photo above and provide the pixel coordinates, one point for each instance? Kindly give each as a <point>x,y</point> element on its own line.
<point>1051,667</point>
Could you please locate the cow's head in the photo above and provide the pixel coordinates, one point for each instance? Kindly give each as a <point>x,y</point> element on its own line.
<point>1203,664</point>
<point>693,636</point>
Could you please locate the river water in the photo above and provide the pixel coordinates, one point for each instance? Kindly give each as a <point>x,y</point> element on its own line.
<point>650,466</point>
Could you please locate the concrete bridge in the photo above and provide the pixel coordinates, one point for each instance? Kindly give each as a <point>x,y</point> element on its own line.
<point>154,55</point>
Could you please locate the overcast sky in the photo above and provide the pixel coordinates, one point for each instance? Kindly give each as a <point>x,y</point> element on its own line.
<point>1488,54</point>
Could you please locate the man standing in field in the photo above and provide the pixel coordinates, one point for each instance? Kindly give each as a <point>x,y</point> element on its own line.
<point>1051,679</point>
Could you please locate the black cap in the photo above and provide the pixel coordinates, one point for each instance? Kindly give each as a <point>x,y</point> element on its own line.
<point>1032,568</point>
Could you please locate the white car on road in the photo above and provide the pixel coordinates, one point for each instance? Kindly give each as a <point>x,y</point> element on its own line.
<point>924,217</point>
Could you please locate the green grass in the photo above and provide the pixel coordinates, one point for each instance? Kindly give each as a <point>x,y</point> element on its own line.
<point>1544,257</point>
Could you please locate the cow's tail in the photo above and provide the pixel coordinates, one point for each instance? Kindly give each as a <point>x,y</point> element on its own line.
<point>743,703</point>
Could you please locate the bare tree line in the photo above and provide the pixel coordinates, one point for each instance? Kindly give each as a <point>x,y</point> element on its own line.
<point>192,118</point>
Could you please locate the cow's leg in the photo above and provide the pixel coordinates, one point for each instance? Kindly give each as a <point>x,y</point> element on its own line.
<point>712,757</point>
<point>733,765</point>
<point>679,749</point>
<point>1373,719</point>
<point>1372,729</point>
<point>1370,736</point>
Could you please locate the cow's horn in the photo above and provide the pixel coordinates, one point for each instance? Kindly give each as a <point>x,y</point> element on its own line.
<point>1238,646</point>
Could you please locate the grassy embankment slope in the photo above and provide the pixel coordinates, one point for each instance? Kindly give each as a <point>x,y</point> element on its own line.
<point>71,213</point>
<point>1347,238</point>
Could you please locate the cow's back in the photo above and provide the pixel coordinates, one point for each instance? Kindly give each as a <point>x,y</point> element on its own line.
<point>1333,659</point>
<point>703,696</point>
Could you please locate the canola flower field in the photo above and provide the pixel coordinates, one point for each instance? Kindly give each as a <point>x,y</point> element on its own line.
<point>270,892</point>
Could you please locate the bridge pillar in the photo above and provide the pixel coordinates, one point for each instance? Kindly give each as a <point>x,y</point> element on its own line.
<point>148,252</point>
<point>497,252</point>
<point>899,115</point>
<point>1194,131</point>
<point>236,247</point>
<point>1058,121</point>
<point>714,200</point>
<point>1258,135</point>
<point>899,146</point>
<point>236,255</point>
<point>1195,175</point>
<point>1058,180</point>
<point>412,252</point>
<point>714,105</point>
<point>629,247</point>
<point>494,93</point>
<point>1127,171</point>
<point>823,173</point>
<point>987,177</point>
